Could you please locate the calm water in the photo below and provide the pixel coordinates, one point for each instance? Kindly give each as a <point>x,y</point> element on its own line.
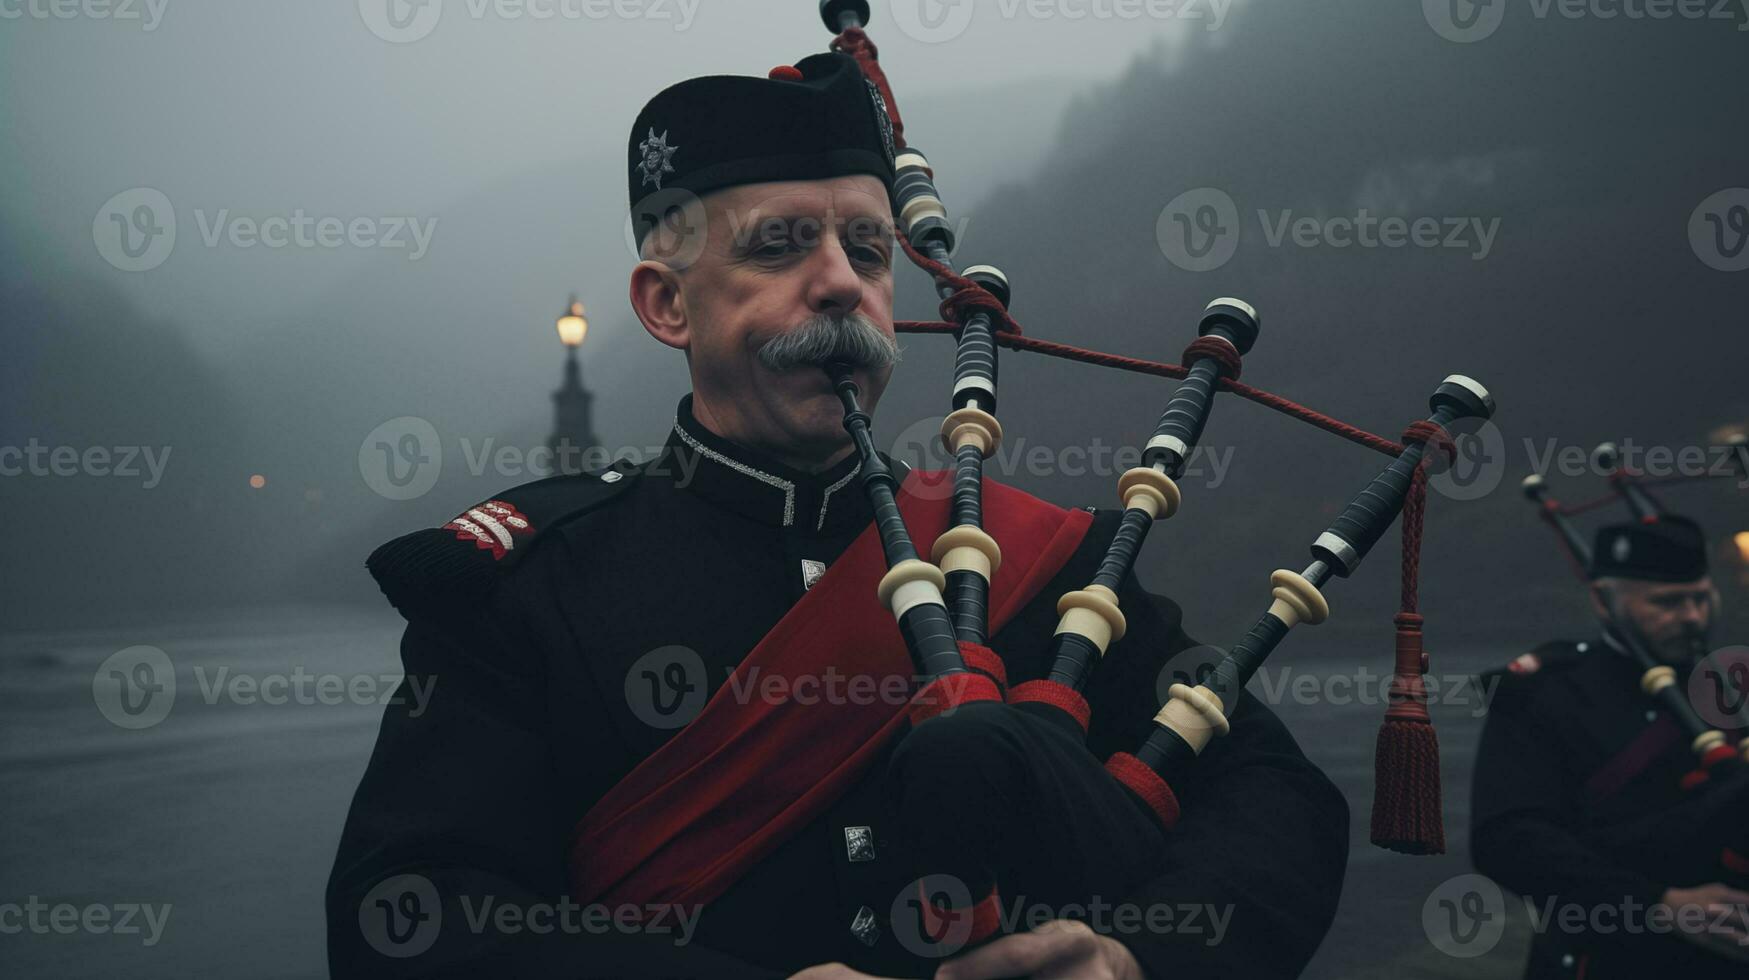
<point>229,811</point>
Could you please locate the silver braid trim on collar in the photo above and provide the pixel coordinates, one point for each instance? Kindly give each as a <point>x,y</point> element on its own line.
<point>826,498</point>
<point>788,488</point>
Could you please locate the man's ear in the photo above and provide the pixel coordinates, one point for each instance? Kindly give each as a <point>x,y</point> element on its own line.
<point>655,296</point>
<point>1601,600</point>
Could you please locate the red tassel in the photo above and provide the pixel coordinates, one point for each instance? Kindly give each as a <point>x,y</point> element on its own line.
<point>1406,802</point>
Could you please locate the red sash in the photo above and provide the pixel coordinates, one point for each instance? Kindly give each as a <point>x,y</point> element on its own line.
<point>750,771</point>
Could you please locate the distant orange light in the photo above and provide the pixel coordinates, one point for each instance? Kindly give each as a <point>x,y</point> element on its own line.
<point>573,326</point>
<point>1742,540</point>
<point>258,481</point>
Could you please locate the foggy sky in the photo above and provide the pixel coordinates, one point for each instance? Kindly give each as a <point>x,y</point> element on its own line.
<point>1057,143</point>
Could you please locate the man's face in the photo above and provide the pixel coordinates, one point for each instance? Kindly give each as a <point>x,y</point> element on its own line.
<point>1674,619</point>
<point>773,256</point>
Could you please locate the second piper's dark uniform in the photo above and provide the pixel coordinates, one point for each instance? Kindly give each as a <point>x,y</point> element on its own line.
<point>1579,801</point>
<point>531,720</point>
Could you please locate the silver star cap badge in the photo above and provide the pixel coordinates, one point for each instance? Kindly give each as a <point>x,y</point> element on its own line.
<point>657,158</point>
<point>1623,547</point>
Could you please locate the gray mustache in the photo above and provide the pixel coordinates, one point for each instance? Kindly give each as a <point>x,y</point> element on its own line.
<point>854,340</point>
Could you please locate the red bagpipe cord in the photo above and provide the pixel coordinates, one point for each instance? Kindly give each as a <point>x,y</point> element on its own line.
<point>1406,805</point>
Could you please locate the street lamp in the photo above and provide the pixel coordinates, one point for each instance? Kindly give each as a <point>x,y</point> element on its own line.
<point>572,326</point>
<point>573,435</point>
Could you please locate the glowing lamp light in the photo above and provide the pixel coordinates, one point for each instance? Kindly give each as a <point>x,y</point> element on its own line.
<point>1742,540</point>
<point>572,326</point>
<point>257,481</point>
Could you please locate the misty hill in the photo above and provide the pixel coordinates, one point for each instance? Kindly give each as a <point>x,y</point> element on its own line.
<point>1590,318</point>
<point>130,491</point>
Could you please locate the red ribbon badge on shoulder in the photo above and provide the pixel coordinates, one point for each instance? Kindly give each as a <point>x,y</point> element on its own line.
<point>492,526</point>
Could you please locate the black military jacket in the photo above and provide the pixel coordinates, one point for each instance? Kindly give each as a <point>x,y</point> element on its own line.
<point>1578,800</point>
<point>536,712</point>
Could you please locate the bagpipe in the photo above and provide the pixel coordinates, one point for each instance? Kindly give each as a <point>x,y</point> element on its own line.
<point>940,604</point>
<point>1717,762</point>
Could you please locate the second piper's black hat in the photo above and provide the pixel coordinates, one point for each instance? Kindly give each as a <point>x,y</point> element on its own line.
<point>1670,549</point>
<point>822,118</point>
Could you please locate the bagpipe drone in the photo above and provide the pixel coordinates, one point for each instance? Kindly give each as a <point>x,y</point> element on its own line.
<point>940,604</point>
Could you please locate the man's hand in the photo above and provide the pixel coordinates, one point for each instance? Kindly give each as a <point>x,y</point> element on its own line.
<point>1062,948</point>
<point>1722,928</point>
<point>833,971</point>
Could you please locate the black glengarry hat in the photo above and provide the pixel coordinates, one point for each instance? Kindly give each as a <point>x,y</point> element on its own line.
<point>1670,549</point>
<point>821,119</point>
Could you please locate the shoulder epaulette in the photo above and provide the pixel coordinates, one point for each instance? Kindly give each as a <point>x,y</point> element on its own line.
<point>432,569</point>
<point>1554,654</point>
